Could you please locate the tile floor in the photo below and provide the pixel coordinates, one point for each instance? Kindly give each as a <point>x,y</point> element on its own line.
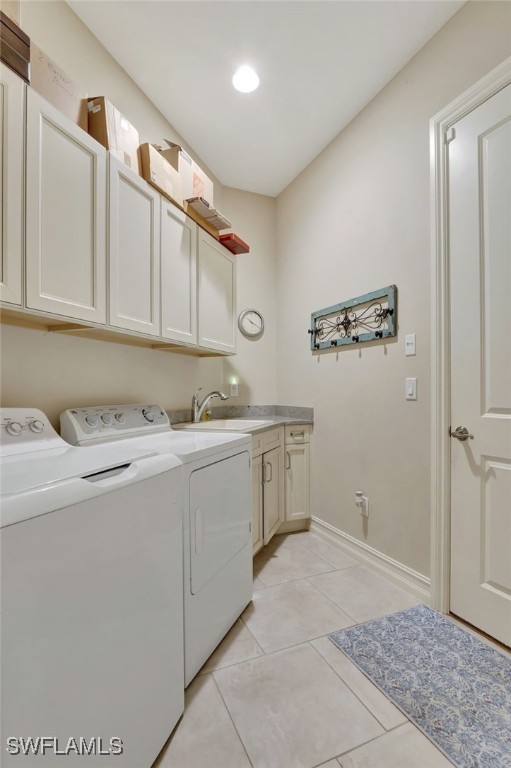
<point>277,693</point>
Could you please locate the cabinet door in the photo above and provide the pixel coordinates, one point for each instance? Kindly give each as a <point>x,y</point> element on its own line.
<point>134,249</point>
<point>297,486</point>
<point>65,216</point>
<point>12,147</point>
<point>273,503</point>
<point>178,275</point>
<point>216,295</point>
<point>257,504</point>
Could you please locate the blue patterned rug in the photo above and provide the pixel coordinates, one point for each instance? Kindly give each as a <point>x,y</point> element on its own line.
<point>450,684</point>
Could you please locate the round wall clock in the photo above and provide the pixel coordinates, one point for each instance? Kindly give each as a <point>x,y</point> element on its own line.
<point>251,323</point>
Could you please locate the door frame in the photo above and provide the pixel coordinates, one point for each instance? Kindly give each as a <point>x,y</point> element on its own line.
<point>440,125</point>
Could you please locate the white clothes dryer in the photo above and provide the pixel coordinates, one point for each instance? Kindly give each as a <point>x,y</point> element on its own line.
<point>217,546</point>
<point>91,597</point>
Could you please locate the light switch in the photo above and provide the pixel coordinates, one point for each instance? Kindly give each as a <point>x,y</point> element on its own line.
<point>411,389</point>
<point>410,345</point>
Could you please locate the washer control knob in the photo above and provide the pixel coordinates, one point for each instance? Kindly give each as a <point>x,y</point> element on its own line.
<point>148,415</point>
<point>91,421</point>
<point>119,417</point>
<point>107,419</point>
<point>14,428</point>
<point>36,425</point>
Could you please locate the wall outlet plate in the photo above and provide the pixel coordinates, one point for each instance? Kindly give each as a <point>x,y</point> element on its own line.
<point>410,344</point>
<point>234,390</point>
<point>411,389</point>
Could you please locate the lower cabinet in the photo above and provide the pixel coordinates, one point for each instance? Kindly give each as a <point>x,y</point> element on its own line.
<point>297,473</point>
<point>267,485</point>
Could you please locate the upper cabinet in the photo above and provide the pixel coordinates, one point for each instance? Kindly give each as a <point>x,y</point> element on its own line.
<point>178,275</point>
<point>216,295</point>
<point>134,251</point>
<point>152,273</point>
<point>65,216</point>
<point>12,148</point>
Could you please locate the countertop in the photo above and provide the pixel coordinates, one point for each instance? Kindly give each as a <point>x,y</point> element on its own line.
<point>274,415</point>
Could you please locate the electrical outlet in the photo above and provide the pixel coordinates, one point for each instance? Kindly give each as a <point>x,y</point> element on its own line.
<point>410,345</point>
<point>234,390</point>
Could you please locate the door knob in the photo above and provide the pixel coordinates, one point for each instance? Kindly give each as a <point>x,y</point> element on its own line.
<point>461,433</point>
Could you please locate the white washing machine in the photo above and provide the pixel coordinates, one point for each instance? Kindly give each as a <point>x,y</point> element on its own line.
<point>91,599</point>
<point>217,549</point>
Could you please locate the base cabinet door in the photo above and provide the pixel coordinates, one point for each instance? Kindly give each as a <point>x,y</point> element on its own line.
<point>273,505</point>
<point>134,250</point>
<point>216,295</point>
<point>297,482</point>
<point>65,215</point>
<point>12,150</point>
<point>178,275</point>
<point>257,504</point>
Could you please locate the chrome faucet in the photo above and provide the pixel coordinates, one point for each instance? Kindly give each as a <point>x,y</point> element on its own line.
<point>197,409</point>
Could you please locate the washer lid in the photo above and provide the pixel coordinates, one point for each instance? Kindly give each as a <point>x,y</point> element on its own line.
<point>25,472</point>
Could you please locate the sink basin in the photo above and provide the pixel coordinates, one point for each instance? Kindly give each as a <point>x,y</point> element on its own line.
<point>228,425</point>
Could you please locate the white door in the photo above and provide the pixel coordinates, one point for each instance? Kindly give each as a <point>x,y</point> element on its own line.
<point>273,487</point>
<point>257,504</point>
<point>216,295</point>
<point>65,216</point>
<point>297,489</point>
<point>219,517</point>
<point>178,275</point>
<point>134,249</point>
<point>480,256</point>
<point>12,148</point>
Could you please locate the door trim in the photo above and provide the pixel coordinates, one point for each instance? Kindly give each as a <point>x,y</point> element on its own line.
<point>439,125</point>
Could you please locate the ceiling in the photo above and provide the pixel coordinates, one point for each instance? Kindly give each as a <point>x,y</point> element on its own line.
<point>320,62</point>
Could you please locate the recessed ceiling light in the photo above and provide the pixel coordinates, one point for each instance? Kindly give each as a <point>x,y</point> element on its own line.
<point>245,79</point>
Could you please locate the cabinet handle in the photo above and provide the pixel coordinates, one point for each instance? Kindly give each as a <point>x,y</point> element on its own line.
<point>268,479</point>
<point>288,464</point>
<point>298,434</point>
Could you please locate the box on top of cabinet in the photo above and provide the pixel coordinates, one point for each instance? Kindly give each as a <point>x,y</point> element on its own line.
<point>114,131</point>
<point>14,46</point>
<point>194,180</point>
<point>50,80</point>
<point>160,174</point>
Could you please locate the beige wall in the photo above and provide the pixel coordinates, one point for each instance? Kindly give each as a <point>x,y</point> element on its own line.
<point>358,219</point>
<point>255,365</point>
<point>54,372</point>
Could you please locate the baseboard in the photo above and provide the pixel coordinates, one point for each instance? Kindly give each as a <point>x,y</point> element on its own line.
<point>295,525</point>
<point>400,574</point>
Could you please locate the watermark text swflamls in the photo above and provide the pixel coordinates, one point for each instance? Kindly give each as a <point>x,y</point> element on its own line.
<point>42,745</point>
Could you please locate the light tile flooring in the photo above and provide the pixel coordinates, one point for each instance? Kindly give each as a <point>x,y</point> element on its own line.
<point>278,694</point>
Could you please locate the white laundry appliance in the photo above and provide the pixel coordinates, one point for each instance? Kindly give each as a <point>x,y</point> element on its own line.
<point>217,545</point>
<point>91,599</point>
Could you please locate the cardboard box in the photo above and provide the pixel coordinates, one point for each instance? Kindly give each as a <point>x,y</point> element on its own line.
<point>14,47</point>
<point>160,174</point>
<point>11,8</point>
<point>194,180</point>
<point>234,244</point>
<point>211,215</point>
<point>50,80</point>
<point>108,126</point>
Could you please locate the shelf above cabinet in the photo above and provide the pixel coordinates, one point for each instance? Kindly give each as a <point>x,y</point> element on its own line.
<point>26,319</point>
